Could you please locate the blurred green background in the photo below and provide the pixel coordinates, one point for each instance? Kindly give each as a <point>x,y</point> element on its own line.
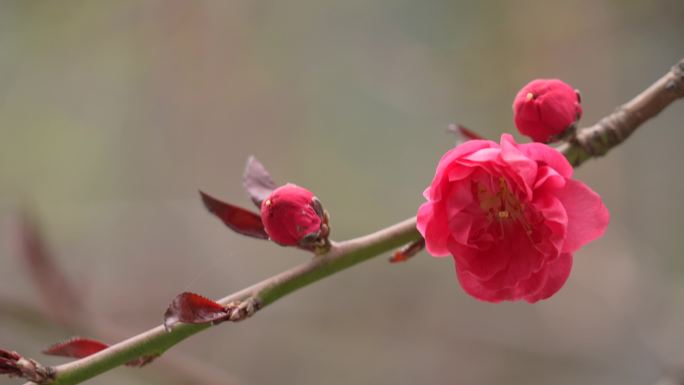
<point>113,114</point>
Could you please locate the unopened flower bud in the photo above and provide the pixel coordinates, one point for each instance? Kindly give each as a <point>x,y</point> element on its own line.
<point>293,216</point>
<point>545,108</point>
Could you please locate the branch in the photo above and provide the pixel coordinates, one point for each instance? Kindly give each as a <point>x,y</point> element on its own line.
<point>588,142</point>
<point>64,305</point>
<point>176,368</point>
<point>158,340</point>
<point>612,130</point>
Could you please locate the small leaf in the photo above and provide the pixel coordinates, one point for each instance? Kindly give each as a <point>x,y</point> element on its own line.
<point>195,309</point>
<point>237,219</point>
<point>8,363</point>
<point>9,355</point>
<point>463,134</point>
<point>9,368</point>
<point>76,347</point>
<point>257,181</point>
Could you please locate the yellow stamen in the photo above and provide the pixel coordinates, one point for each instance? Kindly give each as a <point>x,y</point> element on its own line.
<point>529,96</point>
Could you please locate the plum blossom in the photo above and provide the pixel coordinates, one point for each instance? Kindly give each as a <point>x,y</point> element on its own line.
<point>511,216</point>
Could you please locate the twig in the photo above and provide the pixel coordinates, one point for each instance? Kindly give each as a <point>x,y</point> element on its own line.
<point>158,340</point>
<point>176,368</point>
<point>589,142</point>
<point>62,304</point>
<point>612,130</point>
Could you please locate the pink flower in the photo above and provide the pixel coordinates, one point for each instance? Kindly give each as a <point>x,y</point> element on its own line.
<point>511,216</point>
<point>290,215</point>
<point>545,108</point>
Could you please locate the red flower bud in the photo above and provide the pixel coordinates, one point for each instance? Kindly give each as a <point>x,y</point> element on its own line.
<point>292,215</point>
<point>545,108</point>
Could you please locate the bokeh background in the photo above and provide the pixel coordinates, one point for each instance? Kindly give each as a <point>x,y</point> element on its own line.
<point>113,115</point>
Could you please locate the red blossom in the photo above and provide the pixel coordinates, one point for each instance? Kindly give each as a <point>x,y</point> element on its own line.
<point>511,216</point>
<point>291,214</point>
<point>545,108</point>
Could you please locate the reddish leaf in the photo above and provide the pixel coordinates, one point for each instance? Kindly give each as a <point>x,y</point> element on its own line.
<point>8,355</point>
<point>257,181</point>
<point>8,363</point>
<point>195,309</point>
<point>76,347</point>
<point>9,368</point>
<point>237,219</point>
<point>463,134</point>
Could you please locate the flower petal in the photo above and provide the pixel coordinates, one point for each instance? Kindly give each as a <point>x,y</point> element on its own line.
<point>446,162</point>
<point>474,288</point>
<point>483,264</point>
<point>548,178</point>
<point>513,259</point>
<point>432,225</point>
<point>531,286</point>
<point>587,216</point>
<point>558,272</point>
<point>555,220</point>
<point>460,196</point>
<point>482,156</point>
<point>521,165</point>
<point>548,155</point>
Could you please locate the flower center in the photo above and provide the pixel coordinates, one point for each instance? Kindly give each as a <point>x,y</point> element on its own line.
<point>502,206</point>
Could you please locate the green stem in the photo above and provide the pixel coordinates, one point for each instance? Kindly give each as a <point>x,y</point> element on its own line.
<point>156,341</point>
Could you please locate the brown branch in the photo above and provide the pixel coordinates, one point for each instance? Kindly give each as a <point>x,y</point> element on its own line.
<point>612,130</point>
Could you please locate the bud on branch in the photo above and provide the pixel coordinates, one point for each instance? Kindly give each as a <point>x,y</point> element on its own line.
<point>545,109</point>
<point>14,365</point>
